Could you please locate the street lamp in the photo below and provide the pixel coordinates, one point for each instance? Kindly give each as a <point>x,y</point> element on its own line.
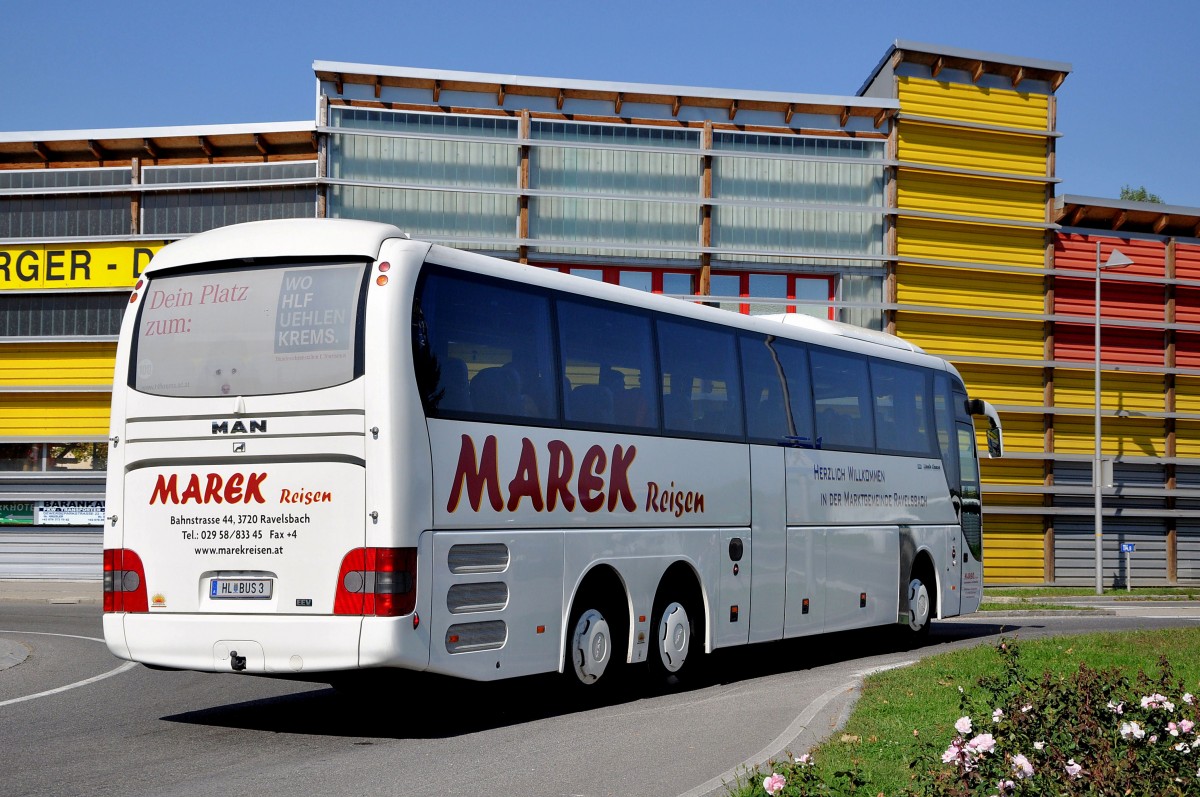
<point>1115,260</point>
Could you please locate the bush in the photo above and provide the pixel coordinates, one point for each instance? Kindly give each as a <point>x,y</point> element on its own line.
<point>1091,733</point>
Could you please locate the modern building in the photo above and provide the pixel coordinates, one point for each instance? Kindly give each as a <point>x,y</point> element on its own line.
<point>925,204</point>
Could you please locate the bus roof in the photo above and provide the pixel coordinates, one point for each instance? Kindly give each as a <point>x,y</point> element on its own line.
<point>312,237</point>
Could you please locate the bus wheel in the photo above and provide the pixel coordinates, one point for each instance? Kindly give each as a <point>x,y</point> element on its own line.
<point>590,646</point>
<point>919,607</point>
<point>672,639</point>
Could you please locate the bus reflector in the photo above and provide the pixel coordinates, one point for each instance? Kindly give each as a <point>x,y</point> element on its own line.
<point>377,581</point>
<point>124,581</point>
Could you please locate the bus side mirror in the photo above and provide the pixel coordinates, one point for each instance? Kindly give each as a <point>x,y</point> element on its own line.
<point>994,443</point>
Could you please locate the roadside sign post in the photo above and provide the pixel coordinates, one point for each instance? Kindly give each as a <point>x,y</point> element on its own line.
<point>1127,548</point>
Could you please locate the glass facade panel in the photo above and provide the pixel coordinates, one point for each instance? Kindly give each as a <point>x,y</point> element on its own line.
<point>237,172</point>
<point>429,214</point>
<point>419,161</point>
<point>187,212</point>
<point>628,222</point>
<point>763,286</point>
<point>64,216</point>
<point>64,178</point>
<point>608,171</point>
<point>424,124</point>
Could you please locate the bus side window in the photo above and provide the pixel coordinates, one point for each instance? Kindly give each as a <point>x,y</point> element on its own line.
<point>702,392</point>
<point>766,407</point>
<point>902,418</point>
<point>489,335</point>
<point>793,357</point>
<point>608,366</point>
<point>841,383</point>
<point>943,413</point>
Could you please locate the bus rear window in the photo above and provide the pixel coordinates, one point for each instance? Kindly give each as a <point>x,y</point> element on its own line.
<point>283,328</point>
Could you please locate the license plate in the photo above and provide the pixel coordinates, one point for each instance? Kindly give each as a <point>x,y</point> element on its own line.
<point>244,588</point>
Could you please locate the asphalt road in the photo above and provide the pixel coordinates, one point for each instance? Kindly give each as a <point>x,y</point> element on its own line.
<point>74,720</point>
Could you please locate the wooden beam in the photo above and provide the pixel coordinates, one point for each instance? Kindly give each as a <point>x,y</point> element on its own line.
<point>1120,220</point>
<point>437,91</point>
<point>316,140</point>
<point>1057,81</point>
<point>206,147</point>
<point>845,117</point>
<point>675,106</point>
<point>378,86</point>
<point>880,118</point>
<point>338,83</point>
<point>618,102</point>
<point>1161,223</point>
<point>1018,76</point>
<point>1196,231</point>
<point>562,97</point>
<point>42,152</point>
<point>733,108</point>
<point>938,65</point>
<point>1078,216</point>
<point>976,71</point>
<point>789,113</point>
<point>500,95</point>
<point>261,144</point>
<point>150,148</point>
<point>96,150</point>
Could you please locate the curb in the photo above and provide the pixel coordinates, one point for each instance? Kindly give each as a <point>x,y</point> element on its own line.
<point>53,592</point>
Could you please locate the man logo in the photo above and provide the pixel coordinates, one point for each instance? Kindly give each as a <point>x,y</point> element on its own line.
<point>238,427</point>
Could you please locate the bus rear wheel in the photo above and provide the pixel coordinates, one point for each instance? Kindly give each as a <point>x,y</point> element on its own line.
<point>590,646</point>
<point>671,641</point>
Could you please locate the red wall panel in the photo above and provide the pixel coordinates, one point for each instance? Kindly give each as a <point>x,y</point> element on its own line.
<point>1132,300</point>
<point>1187,261</point>
<point>1123,345</point>
<point>1075,251</point>
<point>1187,349</point>
<point>1187,305</point>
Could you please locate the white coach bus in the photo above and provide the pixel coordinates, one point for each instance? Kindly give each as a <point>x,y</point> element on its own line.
<point>335,448</point>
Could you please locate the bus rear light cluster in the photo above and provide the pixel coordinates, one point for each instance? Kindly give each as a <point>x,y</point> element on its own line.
<point>377,581</point>
<point>124,581</point>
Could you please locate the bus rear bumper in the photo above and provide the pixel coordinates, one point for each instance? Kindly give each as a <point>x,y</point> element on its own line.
<point>253,644</point>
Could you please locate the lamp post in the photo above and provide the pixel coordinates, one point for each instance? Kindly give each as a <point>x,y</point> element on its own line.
<point>1115,260</point>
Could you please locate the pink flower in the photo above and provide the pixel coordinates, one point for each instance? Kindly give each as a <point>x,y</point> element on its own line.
<point>774,783</point>
<point>997,715</point>
<point>1073,769</point>
<point>1132,729</point>
<point>805,760</point>
<point>1026,708</point>
<point>1186,726</point>
<point>983,743</point>
<point>1039,745</point>
<point>952,754</point>
<point>1187,698</point>
<point>1172,729</point>
<point>1116,708</point>
<point>963,725</point>
<point>1021,767</point>
<point>1006,787</point>
<point>1153,738</point>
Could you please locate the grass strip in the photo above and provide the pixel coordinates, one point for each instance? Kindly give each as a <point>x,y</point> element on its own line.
<point>901,711</point>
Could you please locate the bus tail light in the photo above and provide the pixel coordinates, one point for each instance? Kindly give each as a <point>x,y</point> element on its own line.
<point>377,581</point>
<point>124,581</point>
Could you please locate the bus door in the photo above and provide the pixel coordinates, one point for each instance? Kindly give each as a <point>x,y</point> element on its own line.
<point>969,508</point>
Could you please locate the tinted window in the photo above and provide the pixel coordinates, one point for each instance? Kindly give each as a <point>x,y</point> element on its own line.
<point>608,366</point>
<point>766,404</point>
<point>483,349</point>
<point>842,400</point>
<point>903,423</point>
<point>701,392</point>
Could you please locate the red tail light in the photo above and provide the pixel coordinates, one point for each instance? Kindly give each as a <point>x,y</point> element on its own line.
<point>124,581</point>
<point>377,581</point>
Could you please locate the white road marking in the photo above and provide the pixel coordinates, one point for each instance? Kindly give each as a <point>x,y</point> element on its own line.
<point>129,665</point>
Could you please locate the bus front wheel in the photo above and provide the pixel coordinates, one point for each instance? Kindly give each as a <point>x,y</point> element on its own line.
<point>919,607</point>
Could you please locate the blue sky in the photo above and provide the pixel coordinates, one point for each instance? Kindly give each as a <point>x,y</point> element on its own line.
<point>1128,112</point>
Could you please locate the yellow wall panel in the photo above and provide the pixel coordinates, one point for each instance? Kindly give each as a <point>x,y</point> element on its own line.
<point>1124,437</point>
<point>970,196</point>
<point>56,364</point>
<point>1187,394</point>
<point>1187,439</point>
<point>1028,472</point>
<point>960,102</point>
<point>969,289</point>
<point>979,150</point>
<point>970,243</point>
<point>1004,384</point>
<point>1134,392</point>
<point>951,336</point>
<point>54,415</point>
<point>1013,549</point>
<point>1021,433</point>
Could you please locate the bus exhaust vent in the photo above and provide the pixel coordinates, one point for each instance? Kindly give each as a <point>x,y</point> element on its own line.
<point>488,596</point>
<point>470,637</point>
<point>489,557</point>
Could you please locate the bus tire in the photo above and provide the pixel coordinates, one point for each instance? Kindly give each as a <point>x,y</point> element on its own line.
<point>596,641</point>
<point>673,637</point>
<point>920,607</point>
